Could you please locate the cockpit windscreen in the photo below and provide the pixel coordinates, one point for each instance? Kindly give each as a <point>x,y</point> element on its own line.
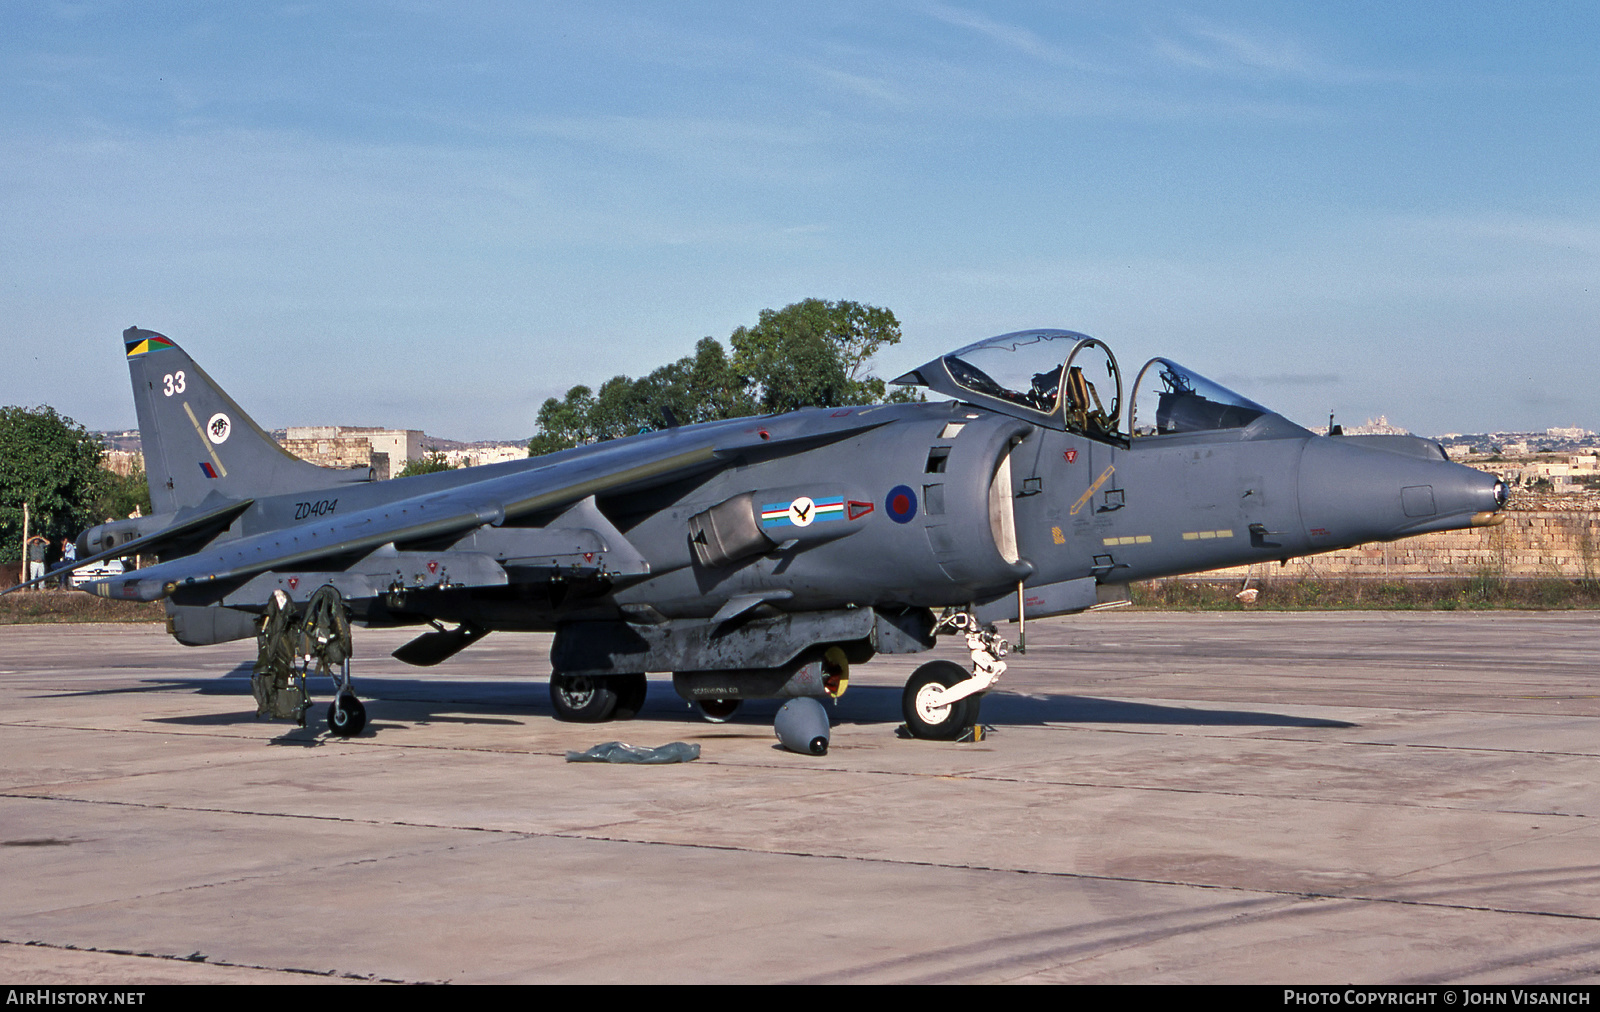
<point>1168,398</point>
<point>1023,368</point>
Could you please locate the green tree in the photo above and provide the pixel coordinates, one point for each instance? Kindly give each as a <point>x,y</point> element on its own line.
<point>814,353</point>
<point>51,463</point>
<point>119,495</point>
<point>714,387</point>
<point>563,424</point>
<point>809,354</point>
<point>428,463</point>
<point>620,409</point>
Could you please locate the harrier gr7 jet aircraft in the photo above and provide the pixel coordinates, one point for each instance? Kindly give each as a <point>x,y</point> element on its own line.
<point>756,557</point>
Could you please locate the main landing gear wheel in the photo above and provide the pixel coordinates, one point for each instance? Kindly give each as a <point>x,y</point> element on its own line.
<point>347,717</point>
<point>718,711</point>
<point>583,699</point>
<point>631,690</point>
<point>937,723</point>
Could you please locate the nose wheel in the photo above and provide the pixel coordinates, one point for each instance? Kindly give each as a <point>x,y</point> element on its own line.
<point>941,698</point>
<point>923,704</point>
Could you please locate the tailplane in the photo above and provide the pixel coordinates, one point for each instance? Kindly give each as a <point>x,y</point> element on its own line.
<point>198,441</point>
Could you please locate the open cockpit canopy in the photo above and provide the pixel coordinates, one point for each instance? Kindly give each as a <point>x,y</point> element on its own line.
<point>1056,378</point>
<point>1167,399</point>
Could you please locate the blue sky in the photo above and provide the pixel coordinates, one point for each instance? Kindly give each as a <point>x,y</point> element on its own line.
<point>437,215</point>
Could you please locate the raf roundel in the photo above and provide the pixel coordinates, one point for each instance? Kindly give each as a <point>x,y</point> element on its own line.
<point>901,504</point>
<point>218,428</point>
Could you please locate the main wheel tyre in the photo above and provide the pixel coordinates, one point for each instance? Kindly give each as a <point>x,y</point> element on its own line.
<point>631,690</point>
<point>582,699</point>
<point>718,711</point>
<point>347,717</point>
<point>937,723</point>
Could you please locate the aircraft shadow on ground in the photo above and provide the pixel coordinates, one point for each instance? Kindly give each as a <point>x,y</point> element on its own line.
<point>501,702</point>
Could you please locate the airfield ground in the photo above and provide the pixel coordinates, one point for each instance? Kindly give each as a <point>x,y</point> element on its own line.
<point>1261,797</point>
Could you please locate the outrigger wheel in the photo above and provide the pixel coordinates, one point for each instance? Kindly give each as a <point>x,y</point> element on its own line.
<point>924,719</point>
<point>346,716</point>
<point>325,638</point>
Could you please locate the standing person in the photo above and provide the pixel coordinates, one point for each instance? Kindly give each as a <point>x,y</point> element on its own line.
<point>36,548</point>
<point>69,555</point>
<point>138,560</point>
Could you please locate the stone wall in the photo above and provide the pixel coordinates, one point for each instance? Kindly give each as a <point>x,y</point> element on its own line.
<point>332,451</point>
<point>1543,536</point>
<point>344,446</point>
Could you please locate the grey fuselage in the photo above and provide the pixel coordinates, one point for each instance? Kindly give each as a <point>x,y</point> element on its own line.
<point>769,548</point>
<point>1078,507</point>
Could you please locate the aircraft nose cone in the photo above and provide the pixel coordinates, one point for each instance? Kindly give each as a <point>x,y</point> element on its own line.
<point>1352,493</point>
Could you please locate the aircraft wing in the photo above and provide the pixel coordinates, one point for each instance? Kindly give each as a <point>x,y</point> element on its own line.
<point>569,478</point>
<point>202,521</point>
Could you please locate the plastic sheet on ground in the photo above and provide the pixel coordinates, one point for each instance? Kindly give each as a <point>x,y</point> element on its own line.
<point>621,752</point>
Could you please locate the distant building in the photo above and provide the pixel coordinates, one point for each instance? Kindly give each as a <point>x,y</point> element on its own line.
<point>472,456</point>
<point>123,462</point>
<point>386,451</point>
<point>1376,427</point>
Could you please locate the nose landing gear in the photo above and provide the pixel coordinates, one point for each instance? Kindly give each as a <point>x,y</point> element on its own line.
<point>941,699</point>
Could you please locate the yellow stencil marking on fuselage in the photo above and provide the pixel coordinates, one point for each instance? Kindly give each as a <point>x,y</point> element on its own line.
<point>1088,493</point>
<point>1205,535</point>
<point>1057,536</point>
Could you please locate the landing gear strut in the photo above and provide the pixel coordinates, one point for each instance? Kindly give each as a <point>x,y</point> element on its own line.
<point>941,698</point>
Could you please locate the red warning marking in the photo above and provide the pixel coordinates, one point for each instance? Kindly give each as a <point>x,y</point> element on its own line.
<point>857,509</point>
<point>433,566</point>
<point>1071,455</point>
<point>294,581</point>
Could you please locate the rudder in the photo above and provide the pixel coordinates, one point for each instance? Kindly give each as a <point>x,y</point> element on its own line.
<point>197,440</point>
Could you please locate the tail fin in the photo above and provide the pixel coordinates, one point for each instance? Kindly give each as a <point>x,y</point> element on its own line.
<point>198,441</point>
